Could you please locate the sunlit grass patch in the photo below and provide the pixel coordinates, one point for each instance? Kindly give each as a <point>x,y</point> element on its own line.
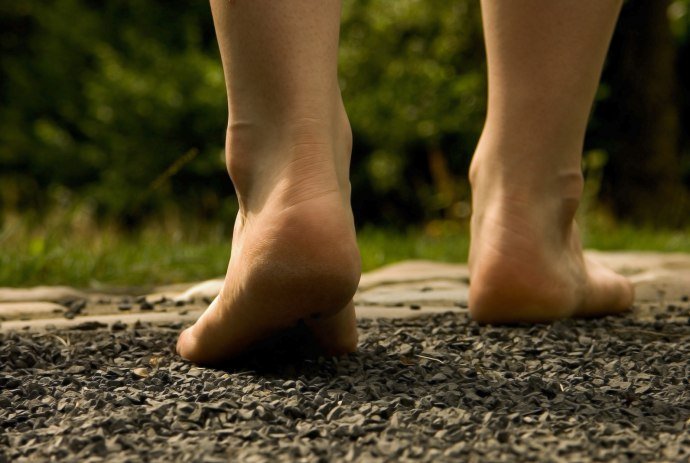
<point>439,242</point>
<point>167,252</point>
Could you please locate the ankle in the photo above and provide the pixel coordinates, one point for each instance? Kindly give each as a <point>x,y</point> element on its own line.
<point>541,208</point>
<point>256,152</point>
<point>533,176</point>
<point>525,146</point>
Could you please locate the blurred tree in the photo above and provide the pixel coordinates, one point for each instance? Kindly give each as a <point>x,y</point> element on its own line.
<point>679,13</point>
<point>644,178</point>
<point>121,104</point>
<point>102,97</point>
<point>413,82</point>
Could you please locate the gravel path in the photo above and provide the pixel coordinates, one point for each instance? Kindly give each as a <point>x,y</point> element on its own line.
<point>436,388</point>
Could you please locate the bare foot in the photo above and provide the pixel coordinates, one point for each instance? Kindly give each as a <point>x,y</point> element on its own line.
<point>294,252</point>
<point>526,260</point>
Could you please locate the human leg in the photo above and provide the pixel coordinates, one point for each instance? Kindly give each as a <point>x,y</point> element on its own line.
<point>294,252</point>
<point>544,62</point>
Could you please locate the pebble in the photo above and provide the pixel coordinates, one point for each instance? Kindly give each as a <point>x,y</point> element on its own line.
<point>145,305</point>
<point>118,326</point>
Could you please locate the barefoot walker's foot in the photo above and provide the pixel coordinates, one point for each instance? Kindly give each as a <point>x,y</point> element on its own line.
<point>544,62</point>
<point>526,260</point>
<point>294,252</point>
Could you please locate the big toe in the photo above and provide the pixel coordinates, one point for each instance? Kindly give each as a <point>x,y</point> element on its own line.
<point>187,345</point>
<point>215,338</point>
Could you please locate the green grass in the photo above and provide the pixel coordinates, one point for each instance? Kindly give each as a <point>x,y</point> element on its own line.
<point>156,256</point>
<point>160,254</point>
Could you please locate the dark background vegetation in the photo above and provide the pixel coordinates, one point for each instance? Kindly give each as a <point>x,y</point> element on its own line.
<point>116,110</point>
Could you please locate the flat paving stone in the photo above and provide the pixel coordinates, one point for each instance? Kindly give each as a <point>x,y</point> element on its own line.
<point>426,297</point>
<point>19,310</point>
<point>632,262</point>
<point>408,289</point>
<point>40,293</point>
<point>103,321</point>
<point>414,271</point>
<point>409,311</point>
<point>205,290</point>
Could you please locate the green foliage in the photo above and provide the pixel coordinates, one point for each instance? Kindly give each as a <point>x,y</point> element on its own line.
<point>413,81</point>
<point>412,73</point>
<point>119,107</point>
<point>69,247</point>
<point>101,99</point>
<point>76,252</point>
<point>679,16</point>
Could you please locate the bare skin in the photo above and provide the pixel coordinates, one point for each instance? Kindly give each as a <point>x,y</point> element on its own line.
<point>526,262</point>
<point>294,252</point>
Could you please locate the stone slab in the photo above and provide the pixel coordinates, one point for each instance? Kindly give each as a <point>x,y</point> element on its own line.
<point>205,290</point>
<point>412,271</point>
<point>400,290</point>
<point>106,320</point>
<point>40,293</point>
<point>634,262</point>
<point>18,310</point>
<point>427,298</point>
<point>402,312</point>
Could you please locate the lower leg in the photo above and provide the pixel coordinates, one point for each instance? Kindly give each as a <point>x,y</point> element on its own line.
<point>294,253</point>
<point>544,62</point>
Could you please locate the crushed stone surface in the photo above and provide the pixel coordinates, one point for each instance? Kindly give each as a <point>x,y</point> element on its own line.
<point>435,388</point>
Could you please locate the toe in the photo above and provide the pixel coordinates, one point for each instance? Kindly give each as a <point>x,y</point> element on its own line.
<point>185,344</point>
